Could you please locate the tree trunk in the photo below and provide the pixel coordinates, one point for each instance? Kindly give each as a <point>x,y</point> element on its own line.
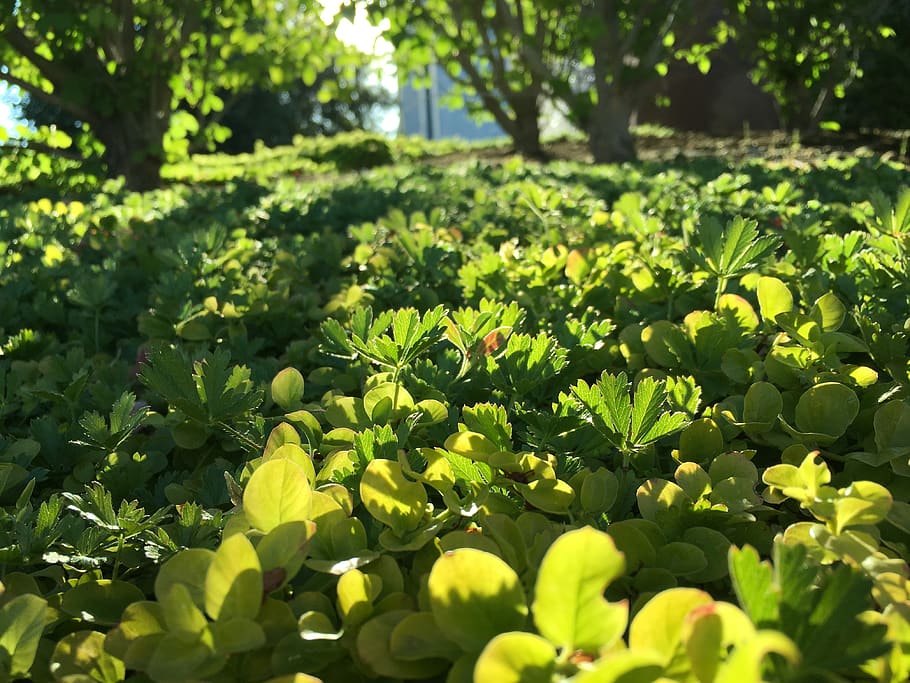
<point>525,129</point>
<point>609,138</point>
<point>133,148</point>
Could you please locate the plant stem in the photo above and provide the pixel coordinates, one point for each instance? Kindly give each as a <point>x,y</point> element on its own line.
<point>721,286</point>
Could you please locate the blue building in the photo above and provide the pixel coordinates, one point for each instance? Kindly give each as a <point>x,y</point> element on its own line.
<point>422,114</point>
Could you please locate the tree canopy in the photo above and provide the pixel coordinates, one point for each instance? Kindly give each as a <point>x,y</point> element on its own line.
<point>807,52</point>
<point>146,79</point>
<point>591,58</point>
<point>146,75</point>
<point>595,59</point>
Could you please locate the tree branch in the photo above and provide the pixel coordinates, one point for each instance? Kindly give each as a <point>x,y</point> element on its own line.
<point>35,146</point>
<point>656,46</point>
<point>126,32</point>
<point>50,98</point>
<point>628,45</point>
<point>499,76</point>
<point>51,70</point>
<point>490,101</point>
<point>533,56</point>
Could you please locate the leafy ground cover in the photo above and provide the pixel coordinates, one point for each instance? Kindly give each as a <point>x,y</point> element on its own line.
<point>490,421</point>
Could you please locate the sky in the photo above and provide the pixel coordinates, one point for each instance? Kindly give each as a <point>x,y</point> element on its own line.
<point>6,109</point>
<point>359,33</point>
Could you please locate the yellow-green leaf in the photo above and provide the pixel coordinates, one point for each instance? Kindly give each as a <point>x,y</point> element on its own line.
<point>390,497</point>
<point>516,658</point>
<point>569,607</point>
<point>278,492</point>
<point>475,596</point>
<point>233,584</point>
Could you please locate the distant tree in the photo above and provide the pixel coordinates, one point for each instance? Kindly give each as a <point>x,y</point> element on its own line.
<point>874,101</point>
<point>271,114</point>
<point>592,57</point>
<point>479,44</point>
<point>275,115</point>
<point>619,48</point>
<point>143,76</point>
<point>807,52</point>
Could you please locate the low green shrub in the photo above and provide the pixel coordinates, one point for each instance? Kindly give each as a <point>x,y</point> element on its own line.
<point>476,423</point>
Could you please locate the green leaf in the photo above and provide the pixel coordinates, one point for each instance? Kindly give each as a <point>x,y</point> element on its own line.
<point>738,247</point>
<point>569,608</point>
<point>374,642</point>
<point>100,602</point>
<point>356,594</point>
<point>295,454</point>
<point>774,298</point>
<point>284,550</point>
<point>22,621</point>
<point>821,611</point>
<point>861,503</point>
<point>693,480</point>
<point>516,658</point>
<point>683,394</point>
<point>527,362</point>
<point>646,409</point>
<point>715,546</point>
<point>418,637</point>
<point>124,420</point>
<point>387,401</point>
<point>834,635</point>
<point>471,445</point>
<point>754,585</point>
<point>598,490</point>
<point>182,617</point>
<point>668,345</point>
<point>278,492</point>
<point>549,495</point>
<point>391,498</point>
<point>188,567</point>
<point>658,498</point>
<point>287,389</point>
<point>282,434</point>
<point>175,659</point>
<point>607,402</point>
<point>649,421</point>
<point>762,406</point>
<point>658,626</point>
<point>829,312</point>
<point>138,633</point>
<point>892,428</point>
<point>700,441</point>
<point>704,642</point>
<point>827,409</point>
<point>237,635</point>
<point>623,666</point>
<point>491,421</point>
<point>475,596</point>
<point>346,411</point>
<point>82,654</point>
<point>211,392</point>
<point>233,583</point>
<point>746,663</point>
<point>681,559</point>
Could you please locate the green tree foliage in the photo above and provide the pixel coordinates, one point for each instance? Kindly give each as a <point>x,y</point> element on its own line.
<point>595,59</point>
<point>807,52</point>
<point>592,58</point>
<point>619,46</point>
<point>874,102</point>
<point>276,115</point>
<point>480,44</point>
<point>144,76</point>
<point>268,113</point>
